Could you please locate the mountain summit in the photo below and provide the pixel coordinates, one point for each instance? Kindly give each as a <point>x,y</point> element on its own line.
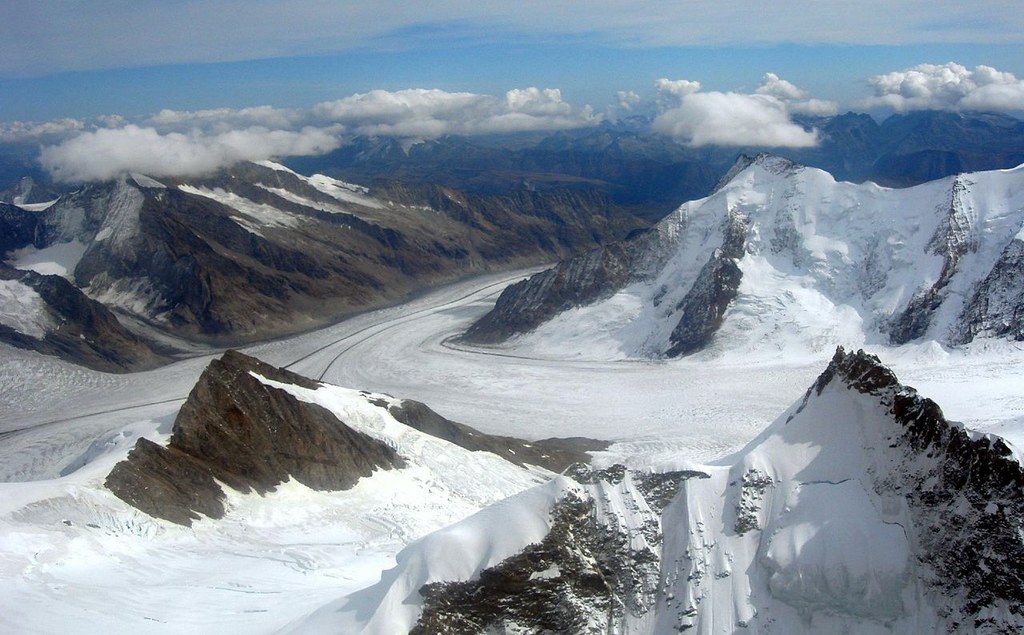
<point>785,257</point>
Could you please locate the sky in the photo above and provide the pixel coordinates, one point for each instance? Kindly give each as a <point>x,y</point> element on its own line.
<point>214,81</point>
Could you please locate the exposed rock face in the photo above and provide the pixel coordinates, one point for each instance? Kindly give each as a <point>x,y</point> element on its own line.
<point>997,307</point>
<point>249,435</point>
<point>953,239</point>
<point>896,520</point>
<point>596,570</point>
<point>703,308</point>
<point>78,328</point>
<point>579,281</point>
<point>553,454</point>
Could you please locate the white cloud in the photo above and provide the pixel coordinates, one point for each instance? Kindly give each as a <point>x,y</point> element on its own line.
<point>431,113</point>
<point>224,119</point>
<point>672,91</point>
<point>796,99</point>
<point>949,86</point>
<point>732,119</point>
<point>627,99</point>
<point>22,131</point>
<point>104,153</point>
<point>183,143</point>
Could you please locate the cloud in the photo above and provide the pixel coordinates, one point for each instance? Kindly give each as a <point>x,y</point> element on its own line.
<point>224,119</point>
<point>186,143</point>
<point>47,36</point>
<point>672,91</point>
<point>949,86</point>
<point>733,119</point>
<point>23,131</point>
<point>627,99</point>
<point>104,153</point>
<point>431,113</point>
<point>796,99</point>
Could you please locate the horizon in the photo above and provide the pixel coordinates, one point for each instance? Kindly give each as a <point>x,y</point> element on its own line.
<point>259,80</point>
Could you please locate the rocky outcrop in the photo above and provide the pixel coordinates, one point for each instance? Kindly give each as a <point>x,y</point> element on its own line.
<point>965,494</point>
<point>579,281</point>
<point>523,306</point>
<point>239,430</point>
<point>596,570</point>
<point>78,328</point>
<point>952,241</point>
<point>703,308</point>
<point>552,454</point>
<point>996,309</point>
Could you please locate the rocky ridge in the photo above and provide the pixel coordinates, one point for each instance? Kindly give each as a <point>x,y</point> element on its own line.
<point>243,427</point>
<point>902,521</point>
<point>257,251</point>
<point>66,323</point>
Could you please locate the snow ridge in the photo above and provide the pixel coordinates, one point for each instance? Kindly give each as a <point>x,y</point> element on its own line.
<point>860,510</point>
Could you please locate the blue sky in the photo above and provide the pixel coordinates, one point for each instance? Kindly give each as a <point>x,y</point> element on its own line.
<point>90,70</point>
<point>78,58</point>
<point>585,72</point>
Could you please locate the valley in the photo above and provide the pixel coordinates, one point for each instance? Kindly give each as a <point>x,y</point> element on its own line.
<point>276,559</point>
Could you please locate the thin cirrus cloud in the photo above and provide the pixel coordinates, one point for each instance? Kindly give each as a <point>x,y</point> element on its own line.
<point>49,36</point>
<point>949,86</point>
<point>763,118</point>
<point>186,143</point>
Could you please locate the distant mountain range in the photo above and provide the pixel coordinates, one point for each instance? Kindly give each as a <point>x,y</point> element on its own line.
<point>260,250</point>
<point>257,251</point>
<point>636,167</point>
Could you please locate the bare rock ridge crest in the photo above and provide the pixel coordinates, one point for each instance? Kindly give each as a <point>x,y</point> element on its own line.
<point>237,429</point>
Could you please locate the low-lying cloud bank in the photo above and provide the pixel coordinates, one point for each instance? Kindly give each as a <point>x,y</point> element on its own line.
<point>187,143</point>
<point>105,153</point>
<point>763,118</point>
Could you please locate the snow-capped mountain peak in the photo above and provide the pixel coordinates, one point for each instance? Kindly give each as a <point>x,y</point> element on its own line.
<point>785,258</point>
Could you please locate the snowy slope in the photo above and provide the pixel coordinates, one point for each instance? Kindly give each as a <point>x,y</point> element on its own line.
<point>820,263</point>
<point>277,560</point>
<point>860,510</point>
<point>578,554</point>
<point>70,550</point>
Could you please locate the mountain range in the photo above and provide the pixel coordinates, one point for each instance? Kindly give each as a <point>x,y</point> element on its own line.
<point>784,257</point>
<point>259,251</point>
<point>270,499</point>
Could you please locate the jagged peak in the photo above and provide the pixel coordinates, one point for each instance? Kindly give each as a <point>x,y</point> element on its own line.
<point>859,370</point>
<point>770,162</point>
